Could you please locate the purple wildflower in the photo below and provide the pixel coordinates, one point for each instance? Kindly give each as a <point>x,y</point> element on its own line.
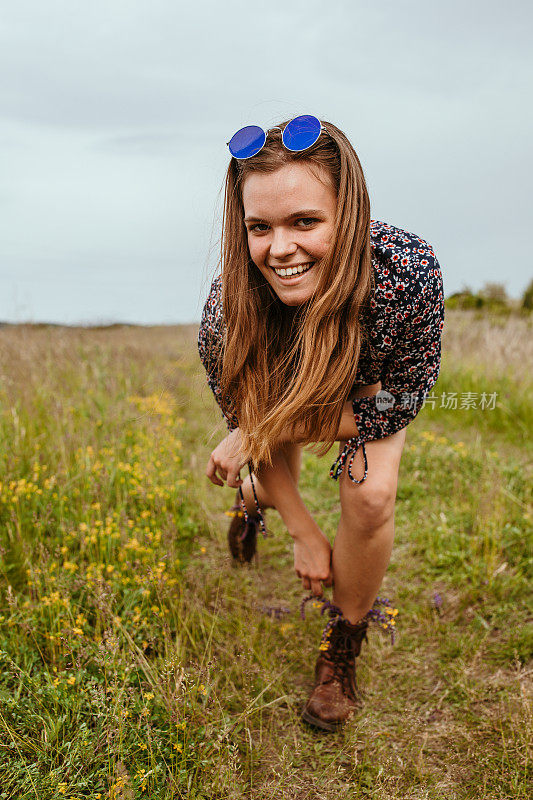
<point>384,617</point>
<point>437,602</point>
<point>274,611</point>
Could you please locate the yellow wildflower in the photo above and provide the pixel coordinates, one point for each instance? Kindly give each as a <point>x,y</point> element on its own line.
<point>286,626</point>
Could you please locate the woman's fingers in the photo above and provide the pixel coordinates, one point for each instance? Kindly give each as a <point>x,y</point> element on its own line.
<point>315,586</point>
<point>211,472</point>
<point>226,461</point>
<point>234,479</point>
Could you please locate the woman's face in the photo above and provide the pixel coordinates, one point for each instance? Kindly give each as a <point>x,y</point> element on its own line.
<point>289,216</point>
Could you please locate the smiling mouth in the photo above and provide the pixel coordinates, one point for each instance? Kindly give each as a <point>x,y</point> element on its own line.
<point>289,272</point>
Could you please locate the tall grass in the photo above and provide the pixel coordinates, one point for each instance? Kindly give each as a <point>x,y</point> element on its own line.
<point>137,661</point>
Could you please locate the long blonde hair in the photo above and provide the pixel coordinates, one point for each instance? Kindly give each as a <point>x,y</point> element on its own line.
<point>284,366</point>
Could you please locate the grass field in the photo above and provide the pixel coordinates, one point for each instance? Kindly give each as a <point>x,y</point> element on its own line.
<point>137,662</point>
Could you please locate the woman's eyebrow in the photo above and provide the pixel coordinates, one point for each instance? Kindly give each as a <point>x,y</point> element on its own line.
<point>307,212</point>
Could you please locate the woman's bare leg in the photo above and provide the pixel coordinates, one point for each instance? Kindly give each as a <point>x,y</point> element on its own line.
<point>363,544</point>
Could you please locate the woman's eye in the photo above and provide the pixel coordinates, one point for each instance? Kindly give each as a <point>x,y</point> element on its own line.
<point>308,222</point>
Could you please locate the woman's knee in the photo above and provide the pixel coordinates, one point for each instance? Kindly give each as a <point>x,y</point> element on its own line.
<point>371,503</point>
<point>368,505</point>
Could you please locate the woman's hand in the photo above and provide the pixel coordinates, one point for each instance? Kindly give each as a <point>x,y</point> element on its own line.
<point>312,561</point>
<point>226,459</point>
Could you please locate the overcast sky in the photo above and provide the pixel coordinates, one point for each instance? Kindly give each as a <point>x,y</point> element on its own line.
<point>114,116</point>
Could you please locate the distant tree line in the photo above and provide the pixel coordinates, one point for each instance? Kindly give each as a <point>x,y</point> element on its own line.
<point>492,297</point>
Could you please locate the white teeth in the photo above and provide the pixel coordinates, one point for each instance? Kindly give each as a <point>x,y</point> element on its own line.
<point>294,270</point>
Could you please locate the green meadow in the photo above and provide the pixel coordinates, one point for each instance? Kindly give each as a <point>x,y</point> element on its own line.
<point>136,661</point>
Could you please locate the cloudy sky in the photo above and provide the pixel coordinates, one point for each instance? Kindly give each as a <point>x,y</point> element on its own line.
<point>114,116</point>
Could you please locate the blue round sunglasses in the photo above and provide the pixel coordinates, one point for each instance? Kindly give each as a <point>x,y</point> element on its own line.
<point>298,134</point>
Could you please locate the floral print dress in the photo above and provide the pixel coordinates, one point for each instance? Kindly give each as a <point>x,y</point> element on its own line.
<point>405,322</point>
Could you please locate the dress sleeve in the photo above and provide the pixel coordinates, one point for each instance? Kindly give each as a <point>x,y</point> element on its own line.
<point>211,348</point>
<point>413,366</point>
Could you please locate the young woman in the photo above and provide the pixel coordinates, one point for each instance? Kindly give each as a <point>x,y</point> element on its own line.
<point>323,326</point>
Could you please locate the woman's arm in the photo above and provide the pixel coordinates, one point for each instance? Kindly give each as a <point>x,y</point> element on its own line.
<point>347,428</point>
<point>278,483</point>
<point>312,550</point>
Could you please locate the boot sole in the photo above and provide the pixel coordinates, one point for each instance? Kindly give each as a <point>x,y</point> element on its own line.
<point>321,723</point>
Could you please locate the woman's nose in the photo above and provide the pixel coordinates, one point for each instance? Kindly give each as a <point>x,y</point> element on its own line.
<point>282,244</point>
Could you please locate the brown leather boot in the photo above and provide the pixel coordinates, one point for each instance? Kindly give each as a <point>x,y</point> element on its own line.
<point>242,535</point>
<point>335,695</point>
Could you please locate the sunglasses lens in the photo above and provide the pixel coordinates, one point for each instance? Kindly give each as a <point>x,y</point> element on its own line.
<point>301,132</point>
<point>247,142</point>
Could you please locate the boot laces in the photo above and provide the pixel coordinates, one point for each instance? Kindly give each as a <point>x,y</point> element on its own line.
<point>382,614</point>
<point>340,655</point>
<point>341,658</point>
